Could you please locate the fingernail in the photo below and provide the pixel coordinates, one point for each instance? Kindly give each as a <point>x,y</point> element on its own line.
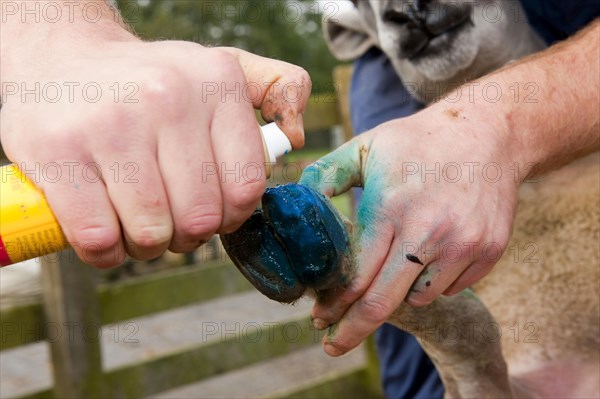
<point>332,350</point>
<point>319,324</point>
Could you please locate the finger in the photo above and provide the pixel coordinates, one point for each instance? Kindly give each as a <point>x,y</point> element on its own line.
<point>339,170</point>
<point>373,308</point>
<point>191,178</point>
<point>238,149</point>
<point>473,273</point>
<point>375,233</point>
<point>483,257</point>
<point>81,204</point>
<point>333,175</point>
<point>445,260</point>
<point>138,195</point>
<point>372,226</point>
<point>372,244</point>
<point>433,281</point>
<point>279,89</point>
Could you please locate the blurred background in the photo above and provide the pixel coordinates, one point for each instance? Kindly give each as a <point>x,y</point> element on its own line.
<point>187,325</point>
<point>285,30</point>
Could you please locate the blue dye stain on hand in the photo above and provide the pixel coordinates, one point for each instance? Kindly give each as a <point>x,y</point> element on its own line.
<point>296,241</point>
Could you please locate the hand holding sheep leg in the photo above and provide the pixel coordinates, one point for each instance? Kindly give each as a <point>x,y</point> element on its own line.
<point>421,232</point>
<point>407,220</point>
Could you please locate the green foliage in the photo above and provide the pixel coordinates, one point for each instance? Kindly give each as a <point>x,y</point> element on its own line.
<point>288,30</point>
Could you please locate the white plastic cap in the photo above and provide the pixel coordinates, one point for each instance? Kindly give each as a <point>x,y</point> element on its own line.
<point>276,142</point>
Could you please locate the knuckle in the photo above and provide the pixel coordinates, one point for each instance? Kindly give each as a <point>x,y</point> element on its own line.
<point>63,138</point>
<point>116,115</point>
<point>302,78</point>
<point>501,236</point>
<point>228,66</point>
<point>150,236</point>
<point>305,80</point>
<point>349,296</point>
<point>246,194</point>
<point>108,128</point>
<point>318,173</point>
<point>164,88</point>
<point>392,198</point>
<point>376,308</point>
<point>472,233</point>
<point>97,238</point>
<point>303,75</point>
<point>202,223</point>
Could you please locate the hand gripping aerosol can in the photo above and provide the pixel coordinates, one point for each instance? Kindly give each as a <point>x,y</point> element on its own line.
<point>28,228</point>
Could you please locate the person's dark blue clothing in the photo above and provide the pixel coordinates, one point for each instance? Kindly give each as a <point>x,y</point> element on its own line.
<point>376,96</point>
<point>556,20</point>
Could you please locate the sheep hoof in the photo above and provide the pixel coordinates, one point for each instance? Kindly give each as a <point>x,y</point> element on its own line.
<point>297,241</point>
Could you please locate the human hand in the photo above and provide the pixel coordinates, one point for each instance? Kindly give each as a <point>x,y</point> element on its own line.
<point>434,216</point>
<point>160,150</point>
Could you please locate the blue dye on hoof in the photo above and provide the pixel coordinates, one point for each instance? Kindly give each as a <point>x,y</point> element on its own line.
<point>257,254</point>
<point>296,241</point>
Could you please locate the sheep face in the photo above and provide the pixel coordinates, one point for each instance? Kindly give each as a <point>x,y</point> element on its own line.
<point>443,43</point>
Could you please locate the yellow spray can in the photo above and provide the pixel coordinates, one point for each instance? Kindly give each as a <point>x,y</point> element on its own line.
<point>28,228</point>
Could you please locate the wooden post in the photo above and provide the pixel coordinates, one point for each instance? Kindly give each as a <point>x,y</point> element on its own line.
<point>342,76</point>
<point>71,308</point>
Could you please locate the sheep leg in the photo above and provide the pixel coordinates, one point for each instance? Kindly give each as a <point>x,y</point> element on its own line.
<point>463,341</point>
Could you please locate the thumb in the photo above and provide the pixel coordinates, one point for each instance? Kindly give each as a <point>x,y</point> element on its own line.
<point>279,89</point>
<point>339,170</point>
<point>352,165</point>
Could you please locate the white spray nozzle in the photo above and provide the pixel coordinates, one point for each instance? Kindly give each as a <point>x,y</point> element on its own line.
<point>276,142</point>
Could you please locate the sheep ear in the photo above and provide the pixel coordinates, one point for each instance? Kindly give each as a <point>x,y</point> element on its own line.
<point>346,34</point>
